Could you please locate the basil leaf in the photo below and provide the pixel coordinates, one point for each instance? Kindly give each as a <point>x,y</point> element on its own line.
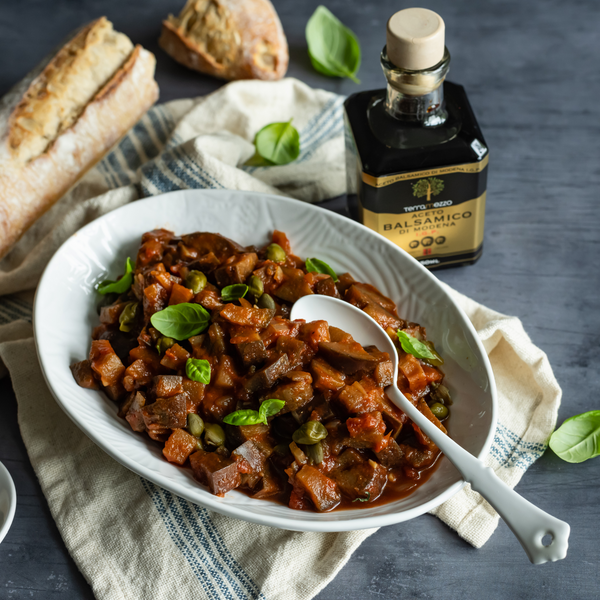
<point>234,292</point>
<point>332,47</point>
<point>419,349</point>
<point>117,287</point>
<point>363,499</point>
<point>198,369</point>
<point>278,143</point>
<point>258,161</point>
<point>181,321</point>
<point>578,438</point>
<point>269,408</point>
<point>314,265</point>
<point>243,417</point>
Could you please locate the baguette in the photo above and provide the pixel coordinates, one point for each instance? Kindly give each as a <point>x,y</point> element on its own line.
<point>229,39</point>
<point>63,118</point>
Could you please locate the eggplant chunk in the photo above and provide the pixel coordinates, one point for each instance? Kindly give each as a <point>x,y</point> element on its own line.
<point>268,375</point>
<point>295,394</point>
<point>252,353</point>
<point>205,242</point>
<point>365,481</point>
<point>323,491</point>
<point>167,412</point>
<point>219,473</point>
<point>251,456</point>
<point>236,270</point>
<point>349,357</point>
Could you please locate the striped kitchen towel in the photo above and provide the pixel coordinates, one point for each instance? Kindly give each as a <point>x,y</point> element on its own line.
<point>132,539</point>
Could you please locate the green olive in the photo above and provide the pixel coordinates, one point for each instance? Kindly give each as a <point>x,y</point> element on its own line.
<point>310,433</point>
<point>439,410</point>
<point>314,453</point>
<point>127,316</point>
<point>265,301</point>
<point>214,434</point>
<point>276,253</point>
<point>255,286</point>
<point>163,344</point>
<point>195,424</point>
<point>195,281</point>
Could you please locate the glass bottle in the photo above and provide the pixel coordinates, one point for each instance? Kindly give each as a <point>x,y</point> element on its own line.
<point>416,160</point>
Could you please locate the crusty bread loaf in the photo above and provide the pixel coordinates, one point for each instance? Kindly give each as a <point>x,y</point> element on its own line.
<point>64,117</point>
<point>229,39</point>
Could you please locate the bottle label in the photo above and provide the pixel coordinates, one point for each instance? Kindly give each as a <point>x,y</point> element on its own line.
<point>436,215</point>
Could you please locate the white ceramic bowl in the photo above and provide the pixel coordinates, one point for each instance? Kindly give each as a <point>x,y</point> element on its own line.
<point>8,501</point>
<point>65,312</point>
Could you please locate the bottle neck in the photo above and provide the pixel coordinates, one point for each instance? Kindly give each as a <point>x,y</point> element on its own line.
<point>416,96</point>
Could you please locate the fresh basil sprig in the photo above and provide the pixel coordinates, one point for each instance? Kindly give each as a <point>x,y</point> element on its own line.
<point>234,292</point>
<point>419,349</point>
<point>276,144</point>
<point>117,287</point>
<point>332,47</point>
<point>578,438</point>
<point>363,499</point>
<point>181,321</point>
<point>198,369</point>
<point>314,265</point>
<point>268,408</point>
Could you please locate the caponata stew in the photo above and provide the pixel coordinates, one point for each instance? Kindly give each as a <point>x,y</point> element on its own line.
<point>196,347</point>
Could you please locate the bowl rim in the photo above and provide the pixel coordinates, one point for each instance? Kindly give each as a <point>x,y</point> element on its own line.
<point>208,500</point>
<point>6,478</point>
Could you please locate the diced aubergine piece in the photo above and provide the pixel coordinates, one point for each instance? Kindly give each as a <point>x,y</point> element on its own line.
<point>225,377</point>
<point>115,391</point>
<point>219,473</point>
<point>125,404</point>
<point>236,269</point>
<point>109,315</point>
<point>122,343</point>
<point>413,371</point>
<point>194,393</point>
<point>105,362</point>
<point>269,484</point>
<point>367,431</point>
<point>298,352</point>
<point>238,434</point>
<point>251,459</point>
<point>295,394</point>
<point>348,357</point>
<point>323,491</point>
<point>179,446</point>
<point>134,415</point>
<point>293,289</point>
<point>383,317</point>
<point>180,294</point>
<point>166,412</point>
<point>83,375</point>
<point>155,299</point>
<point>365,481</point>
<point>339,335</point>
<point>355,399</point>
<point>314,332</point>
<point>326,287</point>
<point>392,455</point>
<point>165,386</point>
<point>252,317</point>
<point>268,375</point>
<point>218,340</point>
<point>361,294</point>
<point>137,374</point>
<point>252,353</point>
<point>206,242</point>
<point>175,357</point>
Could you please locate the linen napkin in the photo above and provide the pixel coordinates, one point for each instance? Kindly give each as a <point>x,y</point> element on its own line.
<point>132,539</point>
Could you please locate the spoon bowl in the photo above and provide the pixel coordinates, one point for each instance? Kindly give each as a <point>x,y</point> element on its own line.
<point>530,524</point>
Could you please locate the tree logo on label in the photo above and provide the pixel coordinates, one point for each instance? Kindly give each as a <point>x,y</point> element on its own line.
<point>429,186</point>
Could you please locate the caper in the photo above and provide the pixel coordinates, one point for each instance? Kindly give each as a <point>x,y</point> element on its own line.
<point>310,433</point>
<point>214,434</point>
<point>276,253</point>
<point>314,453</point>
<point>127,316</point>
<point>439,410</point>
<point>255,286</point>
<point>163,344</point>
<point>195,424</point>
<point>199,444</point>
<point>195,281</point>
<point>440,393</point>
<point>265,301</point>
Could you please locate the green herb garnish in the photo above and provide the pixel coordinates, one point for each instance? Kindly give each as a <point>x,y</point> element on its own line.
<point>578,438</point>
<point>198,369</point>
<point>332,47</point>
<point>423,350</point>
<point>268,408</point>
<point>363,499</point>
<point>117,287</point>
<point>314,265</point>
<point>181,321</point>
<point>276,144</point>
<point>234,292</point>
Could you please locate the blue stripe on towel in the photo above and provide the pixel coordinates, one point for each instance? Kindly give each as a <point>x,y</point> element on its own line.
<point>510,450</point>
<point>194,534</point>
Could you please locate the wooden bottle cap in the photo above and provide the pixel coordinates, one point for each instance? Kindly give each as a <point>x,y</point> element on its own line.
<point>415,39</point>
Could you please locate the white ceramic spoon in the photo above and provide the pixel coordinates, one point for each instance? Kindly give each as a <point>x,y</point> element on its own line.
<point>529,523</point>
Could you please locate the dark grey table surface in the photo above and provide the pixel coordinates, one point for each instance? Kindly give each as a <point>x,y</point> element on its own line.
<point>531,70</point>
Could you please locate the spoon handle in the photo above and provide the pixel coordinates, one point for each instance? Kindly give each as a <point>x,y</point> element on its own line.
<point>528,522</point>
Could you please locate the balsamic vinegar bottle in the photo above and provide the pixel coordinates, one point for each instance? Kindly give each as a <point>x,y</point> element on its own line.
<point>415,156</point>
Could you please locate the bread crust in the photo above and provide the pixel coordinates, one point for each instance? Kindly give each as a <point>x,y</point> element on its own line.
<point>29,189</point>
<point>250,40</point>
